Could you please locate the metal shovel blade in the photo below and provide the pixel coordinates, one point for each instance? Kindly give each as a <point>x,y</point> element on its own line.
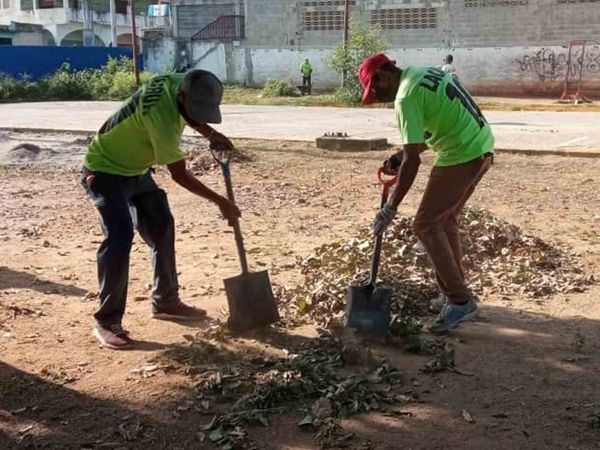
<point>251,301</point>
<point>368,309</point>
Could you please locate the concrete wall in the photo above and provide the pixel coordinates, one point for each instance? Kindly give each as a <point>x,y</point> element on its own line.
<point>501,47</point>
<point>459,23</point>
<point>507,71</point>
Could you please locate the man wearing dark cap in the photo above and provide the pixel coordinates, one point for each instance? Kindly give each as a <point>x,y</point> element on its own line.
<point>144,132</point>
<point>434,111</point>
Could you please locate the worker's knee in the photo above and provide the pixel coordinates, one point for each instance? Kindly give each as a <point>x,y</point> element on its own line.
<point>154,212</point>
<point>118,240</point>
<point>420,226</point>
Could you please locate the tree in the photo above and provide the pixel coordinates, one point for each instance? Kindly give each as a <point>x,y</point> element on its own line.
<point>362,43</point>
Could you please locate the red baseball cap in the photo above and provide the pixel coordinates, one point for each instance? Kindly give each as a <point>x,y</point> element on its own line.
<point>367,70</point>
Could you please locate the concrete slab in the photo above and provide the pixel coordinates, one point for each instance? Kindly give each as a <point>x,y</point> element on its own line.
<point>513,129</point>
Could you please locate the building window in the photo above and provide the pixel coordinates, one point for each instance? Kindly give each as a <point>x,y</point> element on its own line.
<point>323,20</point>
<point>121,6</point>
<point>494,3</point>
<point>327,4</point>
<point>323,15</point>
<point>577,1</point>
<point>404,18</point>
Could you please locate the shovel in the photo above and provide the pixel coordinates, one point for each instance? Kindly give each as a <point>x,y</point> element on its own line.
<point>368,307</point>
<point>249,295</point>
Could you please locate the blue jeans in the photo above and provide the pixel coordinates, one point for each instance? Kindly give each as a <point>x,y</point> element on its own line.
<point>125,202</point>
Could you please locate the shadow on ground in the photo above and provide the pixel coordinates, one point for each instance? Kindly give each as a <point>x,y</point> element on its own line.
<point>529,381</point>
<point>15,279</point>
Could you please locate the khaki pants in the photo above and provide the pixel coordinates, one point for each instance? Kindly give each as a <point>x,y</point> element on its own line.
<point>436,222</point>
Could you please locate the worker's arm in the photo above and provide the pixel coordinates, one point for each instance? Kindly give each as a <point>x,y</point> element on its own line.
<point>216,139</point>
<point>409,167</point>
<point>411,160</point>
<point>183,177</point>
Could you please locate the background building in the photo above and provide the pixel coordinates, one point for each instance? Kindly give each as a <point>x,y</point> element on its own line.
<point>504,47</point>
<point>62,22</point>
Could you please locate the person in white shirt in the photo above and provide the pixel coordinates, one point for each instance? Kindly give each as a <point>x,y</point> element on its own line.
<point>447,66</point>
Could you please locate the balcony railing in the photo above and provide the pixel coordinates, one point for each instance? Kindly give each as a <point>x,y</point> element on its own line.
<point>78,15</point>
<point>156,23</point>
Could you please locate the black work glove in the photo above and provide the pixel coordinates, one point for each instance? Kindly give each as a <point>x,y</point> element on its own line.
<point>392,164</point>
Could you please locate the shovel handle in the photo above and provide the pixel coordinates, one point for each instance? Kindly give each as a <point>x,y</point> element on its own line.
<point>237,231</point>
<point>386,184</point>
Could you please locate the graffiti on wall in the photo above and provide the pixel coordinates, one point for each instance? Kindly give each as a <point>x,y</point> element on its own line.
<point>549,65</point>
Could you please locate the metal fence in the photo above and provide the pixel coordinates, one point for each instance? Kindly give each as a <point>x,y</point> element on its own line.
<point>222,29</point>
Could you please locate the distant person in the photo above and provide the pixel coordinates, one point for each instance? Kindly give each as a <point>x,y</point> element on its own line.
<point>429,100</point>
<point>65,66</point>
<point>448,65</point>
<point>117,177</point>
<point>306,70</point>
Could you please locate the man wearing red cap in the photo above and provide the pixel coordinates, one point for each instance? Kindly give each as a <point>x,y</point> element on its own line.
<point>433,111</point>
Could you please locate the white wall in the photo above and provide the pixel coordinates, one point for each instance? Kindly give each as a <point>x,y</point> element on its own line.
<point>210,56</point>
<point>486,70</point>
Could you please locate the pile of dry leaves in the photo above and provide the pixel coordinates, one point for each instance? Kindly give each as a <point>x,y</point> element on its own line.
<point>319,380</point>
<point>200,160</point>
<point>499,258</point>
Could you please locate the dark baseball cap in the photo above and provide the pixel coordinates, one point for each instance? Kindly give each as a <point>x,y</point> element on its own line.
<point>203,93</point>
<point>367,71</point>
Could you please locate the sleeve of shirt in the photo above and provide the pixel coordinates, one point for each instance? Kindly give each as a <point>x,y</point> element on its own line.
<point>162,126</point>
<point>410,120</point>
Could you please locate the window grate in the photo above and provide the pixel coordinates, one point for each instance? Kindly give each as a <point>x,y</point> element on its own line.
<point>323,20</point>
<point>494,3</point>
<point>404,18</point>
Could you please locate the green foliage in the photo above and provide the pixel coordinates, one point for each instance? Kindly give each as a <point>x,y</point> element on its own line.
<point>64,85</point>
<point>362,43</point>
<point>113,81</point>
<point>21,89</point>
<point>278,88</point>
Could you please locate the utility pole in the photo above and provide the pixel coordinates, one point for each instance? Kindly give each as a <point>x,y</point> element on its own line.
<point>346,26</point>
<point>134,45</point>
<point>113,23</point>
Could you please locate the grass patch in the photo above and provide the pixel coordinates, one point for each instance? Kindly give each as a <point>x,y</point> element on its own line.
<point>238,95</point>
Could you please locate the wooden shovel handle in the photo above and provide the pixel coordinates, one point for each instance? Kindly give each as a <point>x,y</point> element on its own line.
<point>237,231</point>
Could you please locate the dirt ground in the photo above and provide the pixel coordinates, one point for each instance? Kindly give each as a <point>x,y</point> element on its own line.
<point>529,369</point>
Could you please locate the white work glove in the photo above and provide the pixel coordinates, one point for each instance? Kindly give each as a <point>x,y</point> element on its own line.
<point>383,219</point>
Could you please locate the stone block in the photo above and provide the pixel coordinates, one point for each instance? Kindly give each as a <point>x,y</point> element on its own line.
<point>349,144</point>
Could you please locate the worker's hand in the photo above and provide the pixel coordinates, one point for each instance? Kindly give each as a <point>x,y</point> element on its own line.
<point>383,219</point>
<point>219,142</point>
<point>230,212</point>
<point>392,164</point>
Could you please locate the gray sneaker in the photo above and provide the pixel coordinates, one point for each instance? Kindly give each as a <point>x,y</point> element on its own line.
<point>437,304</point>
<point>452,315</point>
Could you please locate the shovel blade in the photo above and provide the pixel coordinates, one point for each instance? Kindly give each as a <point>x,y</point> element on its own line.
<point>368,309</point>
<point>251,301</point>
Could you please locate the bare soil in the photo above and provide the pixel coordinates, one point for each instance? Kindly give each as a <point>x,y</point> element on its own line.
<point>529,369</point>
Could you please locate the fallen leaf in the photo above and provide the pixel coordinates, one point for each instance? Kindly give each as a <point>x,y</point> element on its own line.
<point>467,416</point>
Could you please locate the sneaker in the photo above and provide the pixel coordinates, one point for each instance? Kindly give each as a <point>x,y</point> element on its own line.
<point>178,311</point>
<point>452,315</point>
<point>437,304</point>
<point>112,336</point>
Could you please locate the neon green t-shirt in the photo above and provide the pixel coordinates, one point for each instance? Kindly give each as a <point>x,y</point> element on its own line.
<point>432,107</point>
<point>145,131</point>
<point>306,69</point>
